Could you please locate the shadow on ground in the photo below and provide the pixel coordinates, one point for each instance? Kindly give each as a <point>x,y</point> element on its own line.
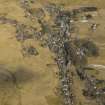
<point>20,75</point>
<point>9,81</point>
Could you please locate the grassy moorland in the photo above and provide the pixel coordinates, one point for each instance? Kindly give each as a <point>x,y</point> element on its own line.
<point>36,81</point>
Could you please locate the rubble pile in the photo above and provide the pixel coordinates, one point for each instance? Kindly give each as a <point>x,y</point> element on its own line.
<point>29,51</point>
<point>57,43</point>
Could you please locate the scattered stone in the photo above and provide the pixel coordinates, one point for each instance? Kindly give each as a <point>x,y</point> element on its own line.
<point>29,51</point>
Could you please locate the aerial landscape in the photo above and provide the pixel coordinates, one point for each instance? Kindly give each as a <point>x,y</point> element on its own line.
<point>52,52</point>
